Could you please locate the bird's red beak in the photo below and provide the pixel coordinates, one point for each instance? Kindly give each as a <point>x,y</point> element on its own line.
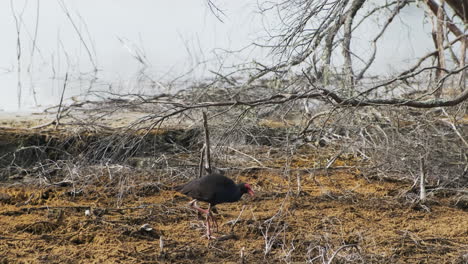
<point>249,190</point>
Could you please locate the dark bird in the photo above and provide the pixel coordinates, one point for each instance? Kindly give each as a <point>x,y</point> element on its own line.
<point>213,189</point>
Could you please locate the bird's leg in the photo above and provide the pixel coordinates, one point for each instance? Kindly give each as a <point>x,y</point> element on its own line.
<point>213,219</point>
<point>208,230</point>
<point>194,205</point>
<point>209,217</point>
<point>208,225</point>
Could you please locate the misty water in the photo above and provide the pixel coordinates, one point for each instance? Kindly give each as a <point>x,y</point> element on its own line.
<point>139,46</point>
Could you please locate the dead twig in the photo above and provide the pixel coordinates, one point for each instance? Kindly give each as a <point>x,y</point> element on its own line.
<point>249,156</point>
<point>330,260</point>
<point>59,110</point>
<point>207,148</point>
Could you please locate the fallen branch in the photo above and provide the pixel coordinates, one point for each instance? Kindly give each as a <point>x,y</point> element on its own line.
<point>79,207</point>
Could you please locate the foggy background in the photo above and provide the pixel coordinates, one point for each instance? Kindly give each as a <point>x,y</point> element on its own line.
<point>172,36</point>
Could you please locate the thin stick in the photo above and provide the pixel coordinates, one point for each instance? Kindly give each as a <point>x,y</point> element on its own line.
<point>202,159</point>
<point>75,27</point>
<point>207,144</point>
<point>18,51</point>
<point>330,163</point>
<point>34,48</point>
<point>338,250</point>
<point>254,159</point>
<point>34,40</point>
<point>59,112</point>
<point>454,127</point>
<point>461,81</point>
<point>422,187</point>
<point>44,125</point>
<point>237,219</point>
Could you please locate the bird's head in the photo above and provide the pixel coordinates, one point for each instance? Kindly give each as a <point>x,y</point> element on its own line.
<point>245,188</point>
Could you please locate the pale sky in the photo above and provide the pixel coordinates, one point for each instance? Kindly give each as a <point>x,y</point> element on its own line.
<point>175,35</point>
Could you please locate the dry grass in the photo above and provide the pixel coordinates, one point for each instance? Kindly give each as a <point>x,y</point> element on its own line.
<point>372,219</point>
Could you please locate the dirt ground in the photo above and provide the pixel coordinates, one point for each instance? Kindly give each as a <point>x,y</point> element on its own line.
<point>334,216</point>
<point>338,216</point>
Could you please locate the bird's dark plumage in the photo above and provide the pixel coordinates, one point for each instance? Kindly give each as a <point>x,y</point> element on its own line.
<point>214,189</point>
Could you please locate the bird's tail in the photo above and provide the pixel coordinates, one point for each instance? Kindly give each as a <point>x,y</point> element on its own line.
<point>178,188</point>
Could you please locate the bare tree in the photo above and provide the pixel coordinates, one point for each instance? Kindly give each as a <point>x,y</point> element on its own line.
<point>328,101</point>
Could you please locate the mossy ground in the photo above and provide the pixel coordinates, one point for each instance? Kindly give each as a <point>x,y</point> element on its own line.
<point>373,220</point>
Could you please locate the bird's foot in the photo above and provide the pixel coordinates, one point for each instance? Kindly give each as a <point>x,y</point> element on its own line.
<point>208,226</point>
<point>209,236</point>
<point>212,218</point>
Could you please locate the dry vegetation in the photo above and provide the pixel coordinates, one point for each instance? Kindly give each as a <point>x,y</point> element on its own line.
<point>348,167</point>
<point>72,211</point>
<point>336,217</point>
